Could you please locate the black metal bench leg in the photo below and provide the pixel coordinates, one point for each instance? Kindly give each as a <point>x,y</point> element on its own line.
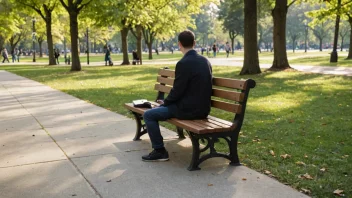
<point>233,151</point>
<point>195,154</point>
<point>180,133</point>
<point>141,128</point>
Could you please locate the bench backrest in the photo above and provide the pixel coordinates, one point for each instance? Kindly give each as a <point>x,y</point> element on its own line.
<point>232,90</point>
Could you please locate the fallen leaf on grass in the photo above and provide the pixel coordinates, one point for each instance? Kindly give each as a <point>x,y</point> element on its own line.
<point>306,156</point>
<point>306,191</point>
<point>300,163</point>
<point>305,176</point>
<point>339,192</point>
<point>285,156</point>
<point>292,143</point>
<point>323,169</point>
<point>210,184</point>
<point>272,152</point>
<point>267,172</point>
<point>291,121</point>
<point>289,171</point>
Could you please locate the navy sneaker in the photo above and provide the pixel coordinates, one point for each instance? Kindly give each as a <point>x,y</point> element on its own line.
<point>156,156</point>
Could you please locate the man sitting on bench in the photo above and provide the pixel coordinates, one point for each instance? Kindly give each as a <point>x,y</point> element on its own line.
<point>190,97</point>
<point>135,58</point>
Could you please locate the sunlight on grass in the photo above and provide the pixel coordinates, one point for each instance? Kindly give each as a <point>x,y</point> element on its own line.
<point>307,116</point>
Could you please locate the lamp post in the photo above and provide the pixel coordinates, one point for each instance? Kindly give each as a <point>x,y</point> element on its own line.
<point>87,46</point>
<point>33,35</point>
<point>306,35</point>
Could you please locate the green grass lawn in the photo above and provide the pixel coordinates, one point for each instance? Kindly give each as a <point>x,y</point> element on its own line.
<point>297,58</point>
<point>307,116</point>
<point>101,57</point>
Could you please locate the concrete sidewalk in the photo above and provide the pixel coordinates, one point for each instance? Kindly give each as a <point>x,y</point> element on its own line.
<point>55,145</point>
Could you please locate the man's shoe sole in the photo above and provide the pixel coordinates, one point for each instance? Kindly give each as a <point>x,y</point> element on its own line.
<point>157,160</point>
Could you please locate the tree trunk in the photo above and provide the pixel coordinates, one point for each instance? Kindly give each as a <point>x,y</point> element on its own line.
<point>293,45</point>
<point>157,47</point>
<point>124,35</point>
<point>259,43</point>
<point>233,45</point>
<point>2,42</point>
<point>139,43</point>
<point>40,48</point>
<point>76,63</point>
<point>150,46</point>
<point>279,14</point>
<point>95,46</point>
<point>251,60</point>
<point>138,36</point>
<point>350,48</point>
<point>342,39</point>
<point>320,44</point>
<point>333,55</point>
<point>49,37</point>
<point>65,51</point>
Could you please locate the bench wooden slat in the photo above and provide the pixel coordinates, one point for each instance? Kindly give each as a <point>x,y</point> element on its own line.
<point>167,73</point>
<point>217,123</point>
<point>167,81</point>
<point>162,88</point>
<point>230,83</point>
<point>234,108</point>
<point>229,95</point>
<point>186,125</point>
<point>220,120</point>
<point>210,124</point>
<point>130,106</point>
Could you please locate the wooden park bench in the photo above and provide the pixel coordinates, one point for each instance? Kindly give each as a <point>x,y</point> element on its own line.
<point>208,130</point>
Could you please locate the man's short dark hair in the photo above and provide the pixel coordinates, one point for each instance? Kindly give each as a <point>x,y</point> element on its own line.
<point>186,38</point>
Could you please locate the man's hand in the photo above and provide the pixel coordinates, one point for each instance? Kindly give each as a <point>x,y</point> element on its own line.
<point>161,102</point>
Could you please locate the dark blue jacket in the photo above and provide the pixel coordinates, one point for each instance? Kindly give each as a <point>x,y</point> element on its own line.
<point>190,97</point>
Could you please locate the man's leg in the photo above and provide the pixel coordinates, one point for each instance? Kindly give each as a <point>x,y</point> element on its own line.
<point>151,119</point>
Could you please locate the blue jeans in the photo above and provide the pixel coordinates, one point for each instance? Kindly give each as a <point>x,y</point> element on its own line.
<point>151,119</point>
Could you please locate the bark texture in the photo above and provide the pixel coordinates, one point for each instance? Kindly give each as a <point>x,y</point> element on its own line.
<point>279,14</point>
<point>251,60</point>
<point>124,35</point>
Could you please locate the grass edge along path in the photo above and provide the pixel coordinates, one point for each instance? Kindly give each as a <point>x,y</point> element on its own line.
<point>297,126</point>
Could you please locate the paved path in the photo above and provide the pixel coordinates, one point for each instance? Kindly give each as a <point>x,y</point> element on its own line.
<point>55,145</point>
<point>235,62</point>
<point>347,71</point>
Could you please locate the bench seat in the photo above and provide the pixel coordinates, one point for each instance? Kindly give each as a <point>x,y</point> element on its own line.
<point>209,125</point>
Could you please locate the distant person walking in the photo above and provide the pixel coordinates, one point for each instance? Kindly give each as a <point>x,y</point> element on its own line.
<point>107,56</point>
<point>5,55</point>
<point>13,55</point>
<point>228,49</point>
<point>18,54</point>
<point>214,50</point>
<point>57,55</point>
